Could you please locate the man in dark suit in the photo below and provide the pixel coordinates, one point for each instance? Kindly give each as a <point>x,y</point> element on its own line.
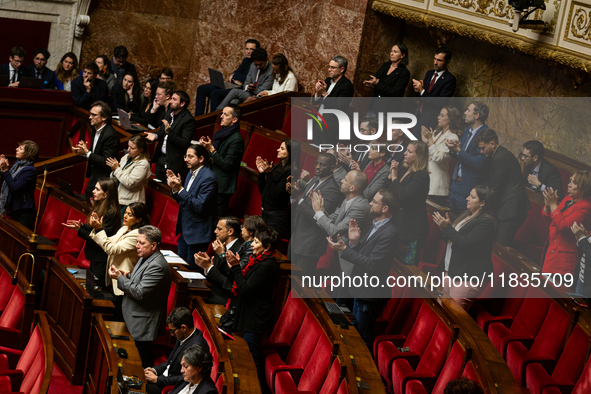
<point>372,257</point>
<point>507,184</point>
<point>538,172</point>
<point>472,166</point>
<point>335,92</point>
<point>180,325</point>
<point>368,126</point>
<point>226,149</point>
<point>146,291</point>
<point>197,204</point>
<point>308,240</point>
<point>104,143</point>
<point>89,88</point>
<point>438,82</point>
<point>39,70</point>
<point>216,268</point>
<point>175,133</point>
<point>119,66</point>
<point>14,68</point>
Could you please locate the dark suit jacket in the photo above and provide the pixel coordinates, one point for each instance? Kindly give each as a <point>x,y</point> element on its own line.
<point>221,278</point>
<point>107,146</point>
<point>146,294</point>
<point>198,208</point>
<point>5,70</point>
<point>444,87</point>
<point>118,100</point>
<point>21,190</point>
<point>119,73</point>
<point>207,386</point>
<point>584,248</point>
<point>411,220</point>
<point>47,76</point>
<point>472,247</point>
<point>174,360</point>
<point>548,175</point>
<point>254,304</point>
<point>474,164</point>
<point>179,139</point>
<point>307,237</point>
<point>374,257</point>
<point>226,161</point>
<point>83,99</point>
<point>507,184</point>
<point>339,98</point>
<point>392,85</point>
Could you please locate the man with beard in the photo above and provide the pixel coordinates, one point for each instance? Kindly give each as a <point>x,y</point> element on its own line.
<point>39,70</point>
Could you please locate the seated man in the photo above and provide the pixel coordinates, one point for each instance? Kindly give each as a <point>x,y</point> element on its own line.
<point>119,65</point>
<point>216,95</point>
<point>538,172</point>
<point>259,79</point>
<point>165,75</point>
<point>14,68</point>
<point>180,325</point>
<point>89,88</point>
<point>39,70</point>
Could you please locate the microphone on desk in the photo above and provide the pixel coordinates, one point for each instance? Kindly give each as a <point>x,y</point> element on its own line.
<point>34,235</point>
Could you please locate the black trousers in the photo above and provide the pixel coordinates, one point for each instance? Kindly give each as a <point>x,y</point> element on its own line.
<point>278,221</point>
<point>508,228</point>
<point>144,348</point>
<point>26,217</point>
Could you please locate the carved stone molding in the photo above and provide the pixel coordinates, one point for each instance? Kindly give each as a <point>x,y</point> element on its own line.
<point>442,37</point>
<point>486,33</point>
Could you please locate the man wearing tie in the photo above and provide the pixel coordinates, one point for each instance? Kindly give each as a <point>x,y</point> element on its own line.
<point>538,172</point>
<point>371,254</point>
<point>14,68</point>
<point>145,292</point>
<point>39,70</point>
<point>197,204</point>
<point>472,166</point>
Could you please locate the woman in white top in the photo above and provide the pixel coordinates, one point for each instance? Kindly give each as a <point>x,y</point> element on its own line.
<point>284,78</point>
<point>133,172</point>
<point>448,128</point>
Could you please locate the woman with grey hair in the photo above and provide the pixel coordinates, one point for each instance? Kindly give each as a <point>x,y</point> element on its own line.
<point>196,364</point>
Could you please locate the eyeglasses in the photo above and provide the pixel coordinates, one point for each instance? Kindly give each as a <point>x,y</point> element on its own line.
<point>172,330</point>
<point>524,156</point>
<point>376,203</point>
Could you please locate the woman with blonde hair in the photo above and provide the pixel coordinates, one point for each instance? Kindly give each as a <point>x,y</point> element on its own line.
<point>66,71</point>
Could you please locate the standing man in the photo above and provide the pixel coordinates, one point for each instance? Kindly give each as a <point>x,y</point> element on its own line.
<point>119,65</point>
<point>371,255</point>
<point>538,172</point>
<point>104,144</point>
<point>507,184</point>
<point>175,133</point>
<point>472,166</point>
<point>197,204</point>
<point>216,95</point>
<point>89,88</point>
<point>181,326</point>
<point>216,268</point>
<point>226,150</point>
<point>14,68</point>
<point>259,79</point>
<point>335,92</point>
<point>438,82</point>
<point>39,70</point>
<point>145,292</point>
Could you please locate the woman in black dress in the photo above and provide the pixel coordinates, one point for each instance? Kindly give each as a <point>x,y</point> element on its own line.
<point>126,95</point>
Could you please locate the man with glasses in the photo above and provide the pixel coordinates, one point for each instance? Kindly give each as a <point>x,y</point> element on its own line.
<point>119,66</point>
<point>39,70</point>
<point>104,143</point>
<point>14,68</point>
<point>334,92</point>
<point>539,174</point>
<point>180,325</point>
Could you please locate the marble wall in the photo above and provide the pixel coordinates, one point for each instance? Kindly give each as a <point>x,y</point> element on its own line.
<point>193,35</point>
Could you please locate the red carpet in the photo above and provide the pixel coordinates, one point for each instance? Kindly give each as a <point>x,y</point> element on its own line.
<point>60,385</point>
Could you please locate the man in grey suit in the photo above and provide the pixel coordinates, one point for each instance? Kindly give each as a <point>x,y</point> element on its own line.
<point>146,292</point>
<point>259,78</point>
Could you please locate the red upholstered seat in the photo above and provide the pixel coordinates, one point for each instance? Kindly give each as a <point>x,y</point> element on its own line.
<point>219,384</point>
<point>50,224</point>
<point>470,373</point>
<point>259,145</point>
<point>285,383</point>
<point>452,369</point>
<point>417,340</point>
<point>533,233</point>
<point>11,318</point>
<point>247,199</point>
<point>568,368</point>
<point>525,326</point>
<point>5,289</point>
<point>546,348</point>
<point>69,242</point>
<point>288,325</point>
<point>435,251</point>
<point>167,225</point>
<point>429,365</point>
<point>388,311</point>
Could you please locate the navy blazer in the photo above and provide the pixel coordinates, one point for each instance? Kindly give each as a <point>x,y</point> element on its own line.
<point>198,212</point>
<point>21,193</point>
<point>83,99</point>
<point>474,163</point>
<point>548,175</point>
<point>432,102</point>
<point>47,75</point>
<point>444,87</point>
<point>5,70</point>
<point>374,257</point>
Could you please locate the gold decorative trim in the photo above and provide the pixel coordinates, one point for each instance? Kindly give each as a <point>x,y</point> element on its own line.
<point>428,19</point>
<point>579,23</point>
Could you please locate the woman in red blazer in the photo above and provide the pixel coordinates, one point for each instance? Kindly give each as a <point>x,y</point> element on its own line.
<point>561,251</point>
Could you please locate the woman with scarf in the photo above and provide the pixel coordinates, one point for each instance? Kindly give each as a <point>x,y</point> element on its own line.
<point>253,294</point>
<point>17,196</point>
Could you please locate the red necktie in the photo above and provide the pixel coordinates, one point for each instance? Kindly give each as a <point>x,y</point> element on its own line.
<point>432,83</point>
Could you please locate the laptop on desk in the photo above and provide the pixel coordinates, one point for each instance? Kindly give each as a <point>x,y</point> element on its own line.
<point>4,80</point>
<point>30,83</point>
<point>125,122</point>
<point>217,79</point>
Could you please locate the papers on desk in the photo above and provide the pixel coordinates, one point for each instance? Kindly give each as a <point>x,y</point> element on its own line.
<point>191,275</point>
<point>172,257</point>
